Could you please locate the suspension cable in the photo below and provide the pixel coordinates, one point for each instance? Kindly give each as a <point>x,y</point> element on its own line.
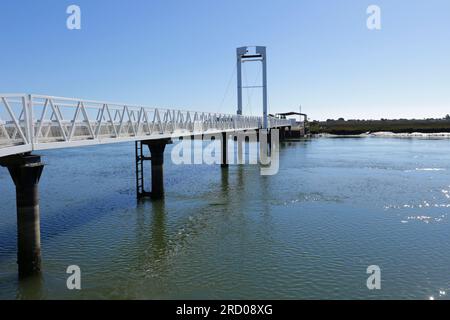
<point>227,89</point>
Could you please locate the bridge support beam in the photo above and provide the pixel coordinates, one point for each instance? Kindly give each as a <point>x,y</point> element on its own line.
<point>224,150</point>
<point>26,171</point>
<point>157,148</point>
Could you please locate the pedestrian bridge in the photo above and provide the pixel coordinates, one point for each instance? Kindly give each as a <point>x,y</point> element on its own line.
<point>31,122</point>
<point>35,122</point>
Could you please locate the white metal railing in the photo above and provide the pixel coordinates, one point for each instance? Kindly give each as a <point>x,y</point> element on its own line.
<point>36,122</point>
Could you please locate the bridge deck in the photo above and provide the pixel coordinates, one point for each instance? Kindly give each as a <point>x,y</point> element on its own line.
<point>37,122</point>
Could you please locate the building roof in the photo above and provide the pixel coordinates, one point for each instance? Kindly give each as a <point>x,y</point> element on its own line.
<point>292,114</point>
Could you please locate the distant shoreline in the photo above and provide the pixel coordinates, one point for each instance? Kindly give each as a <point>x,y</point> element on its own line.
<point>434,127</point>
<point>436,135</point>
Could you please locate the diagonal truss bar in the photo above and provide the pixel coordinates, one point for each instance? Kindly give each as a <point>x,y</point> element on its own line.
<point>13,118</point>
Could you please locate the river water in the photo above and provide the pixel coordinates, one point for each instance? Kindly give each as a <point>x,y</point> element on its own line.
<point>336,207</point>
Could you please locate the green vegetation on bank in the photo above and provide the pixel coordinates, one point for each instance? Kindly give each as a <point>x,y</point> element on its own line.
<point>352,127</point>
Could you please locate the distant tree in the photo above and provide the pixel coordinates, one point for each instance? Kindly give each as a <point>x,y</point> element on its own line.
<point>341,119</point>
<point>447,117</point>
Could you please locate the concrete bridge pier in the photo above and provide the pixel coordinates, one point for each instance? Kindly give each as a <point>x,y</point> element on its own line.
<point>26,170</point>
<point>157,148</point>
<point>282,133</point>
<point>224,150</point>
<point>240,147</point>
<point>285,132</point>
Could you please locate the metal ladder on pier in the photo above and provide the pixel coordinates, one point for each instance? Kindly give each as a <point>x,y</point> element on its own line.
<point>140,159</point>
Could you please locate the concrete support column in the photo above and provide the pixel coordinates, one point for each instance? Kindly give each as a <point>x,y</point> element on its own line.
<point>26,171</point>
<point>157,148</point>
<point>240,147</point>
<point>282,133</point>
<point>224,150</point>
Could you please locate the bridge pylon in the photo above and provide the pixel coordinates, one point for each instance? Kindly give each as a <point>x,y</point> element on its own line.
<point>243,55</point>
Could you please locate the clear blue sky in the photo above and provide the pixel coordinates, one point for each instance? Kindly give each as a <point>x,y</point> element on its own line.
<point>182,54</point>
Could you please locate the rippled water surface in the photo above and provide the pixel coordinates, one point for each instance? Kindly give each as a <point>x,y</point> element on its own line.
<point>336,207</point>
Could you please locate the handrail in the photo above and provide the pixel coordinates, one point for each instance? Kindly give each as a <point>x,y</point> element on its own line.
<point>34,122</point>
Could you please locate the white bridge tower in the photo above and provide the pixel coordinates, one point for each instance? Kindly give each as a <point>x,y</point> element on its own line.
<point>250,54</point>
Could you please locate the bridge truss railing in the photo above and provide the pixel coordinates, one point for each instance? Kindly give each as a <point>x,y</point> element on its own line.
<point>36,122</point>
